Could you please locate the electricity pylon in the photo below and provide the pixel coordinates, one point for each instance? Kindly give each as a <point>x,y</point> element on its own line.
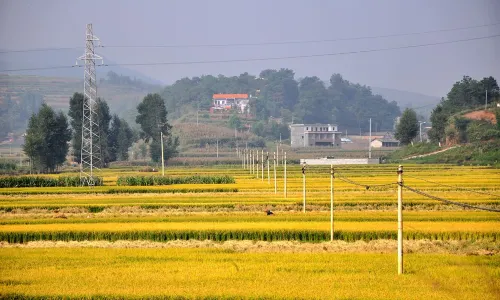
<point>90,151</point>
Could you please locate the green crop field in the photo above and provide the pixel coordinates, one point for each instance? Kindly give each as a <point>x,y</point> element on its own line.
<point>203,233</point>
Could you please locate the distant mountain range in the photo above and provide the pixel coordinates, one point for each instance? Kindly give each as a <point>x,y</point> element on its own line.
<point>422,104</point>
<point>42,59</point>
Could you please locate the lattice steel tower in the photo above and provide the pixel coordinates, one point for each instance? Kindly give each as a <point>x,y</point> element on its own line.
<point>90,152</point>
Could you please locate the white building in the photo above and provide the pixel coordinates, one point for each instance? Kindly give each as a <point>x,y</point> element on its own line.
<point>311,135</point>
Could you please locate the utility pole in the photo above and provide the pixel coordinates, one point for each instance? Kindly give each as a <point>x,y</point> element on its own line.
<point>486,103</point>
<point>162,157</point>
<point>275,182</point>
<point>257,164</point>
<point>253,161</point>
<point>90,152</point>
<point>304,187</point>
<point>197,110</point>
<point>268,172</point>
<point>420,125</point>
<point>277,154</point>
<point>332,173</point>
<point>217,148</point>
<point>400,220</point>
<point>285,174</point>
<point>370,141</point>
<point>262,165</point>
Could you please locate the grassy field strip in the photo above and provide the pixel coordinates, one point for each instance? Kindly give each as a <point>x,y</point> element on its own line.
<point>222,274</point>
<point>359,195</point>
<point>424,226</point>
<point>346,216</point>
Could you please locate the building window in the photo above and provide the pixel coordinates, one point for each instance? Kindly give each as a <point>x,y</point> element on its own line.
<point>307,128</point>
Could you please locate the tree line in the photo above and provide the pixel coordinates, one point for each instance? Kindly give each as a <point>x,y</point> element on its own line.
<point>466,94</point>
<point>448,124</point>
<point>49,134</point>
<point>277,94</point>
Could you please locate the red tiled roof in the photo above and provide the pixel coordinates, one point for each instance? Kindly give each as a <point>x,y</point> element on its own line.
<point>230,96</point>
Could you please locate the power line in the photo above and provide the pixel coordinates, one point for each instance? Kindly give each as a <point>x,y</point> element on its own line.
<point>452,186</point>
<point>305,41</point>
<point>260,43</point>
<point>449,201</point>
<point>366,186</point>
<point>269,58</point>
<point>304,56</point>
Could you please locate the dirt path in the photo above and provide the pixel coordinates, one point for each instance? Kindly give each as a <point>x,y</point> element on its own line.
<point>432,153</point>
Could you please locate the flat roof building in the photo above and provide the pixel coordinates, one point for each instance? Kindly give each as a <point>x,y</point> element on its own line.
<point>312,135</point>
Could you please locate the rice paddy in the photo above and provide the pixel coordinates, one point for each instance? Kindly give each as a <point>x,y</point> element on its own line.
<point>230,210</point>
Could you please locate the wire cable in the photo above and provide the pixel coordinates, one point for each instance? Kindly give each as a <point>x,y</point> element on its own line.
<point>448,201</point>
<point>267,58</point>
<point>366,186</point>
<point>452,186</point>
<point>260,43</point>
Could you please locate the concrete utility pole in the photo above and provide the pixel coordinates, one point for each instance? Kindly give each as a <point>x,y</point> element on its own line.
<point>400,220</point>
<point>162,157</point>
<point>486,103</point>
<point>332,173</point>
<point>285,174</point>
<point>370,141</point>
<point>257,164</point>
<point>217,148</point>
<point>277,154</point>
<point>262,165</point>
<point>268,171</point>
<point>304,187</point>
<point>420,125</point>
<point>275,182</point>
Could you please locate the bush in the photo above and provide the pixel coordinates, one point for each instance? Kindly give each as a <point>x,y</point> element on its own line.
<point>158,180</point>
<point>38,181</point>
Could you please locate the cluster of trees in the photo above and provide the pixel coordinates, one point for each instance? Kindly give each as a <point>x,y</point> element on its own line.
<point>115,135</point>
<point>48,134</point>
<point>278,94</point>
<point>117,79</point>
<point>154,125</point>
<point>465,94</point>
<point>14,115</point>
<point>47,138</point>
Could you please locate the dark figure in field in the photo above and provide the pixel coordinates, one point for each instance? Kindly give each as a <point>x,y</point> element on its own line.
<point>269,212</point>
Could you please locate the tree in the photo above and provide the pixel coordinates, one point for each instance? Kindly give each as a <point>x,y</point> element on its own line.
<point>234,122</point>
<point>103,119</point>
<point>76,113</point>
<point>47,138</point>
<point>407,128</point>
<point>438,120</point>
<point>153,120</point>
<point>120,139</point>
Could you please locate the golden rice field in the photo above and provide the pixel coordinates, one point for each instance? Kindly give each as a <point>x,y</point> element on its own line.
<point>365,211</point>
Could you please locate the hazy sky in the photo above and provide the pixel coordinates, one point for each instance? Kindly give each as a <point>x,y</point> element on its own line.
<point>429,70</point>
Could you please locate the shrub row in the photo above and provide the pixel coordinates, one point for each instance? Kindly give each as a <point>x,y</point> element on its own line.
<point>159,180</point>
<point>39,181</point>
<point>225,235</point>
<point>125,191</point>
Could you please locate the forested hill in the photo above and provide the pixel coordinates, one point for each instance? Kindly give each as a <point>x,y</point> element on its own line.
<point>278,93</point>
